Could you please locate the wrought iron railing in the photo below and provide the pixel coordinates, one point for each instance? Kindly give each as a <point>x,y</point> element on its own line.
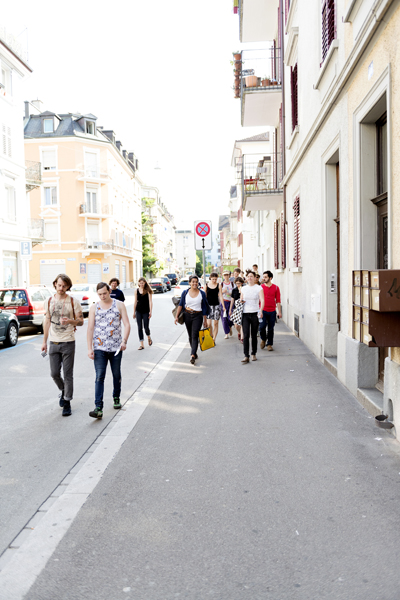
<point>35,229</point>
<point>98,245</point>
<point>33,174</point>
<point>105,209</point>
<point>260,69</point>
<point>259,173</point>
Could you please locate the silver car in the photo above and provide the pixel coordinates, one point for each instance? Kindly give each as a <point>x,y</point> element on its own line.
<point>86,295</point>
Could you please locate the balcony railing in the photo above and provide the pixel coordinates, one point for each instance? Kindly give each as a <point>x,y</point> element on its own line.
<point>98,245</point>
<point>261,68</point>
<point>260,177</point>
<point>33,175</point>
<point>96,173</point>
<point>35,231</point>
<point>104,211</point>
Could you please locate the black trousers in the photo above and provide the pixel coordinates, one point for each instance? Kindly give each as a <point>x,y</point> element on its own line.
<point>250,327</point>
<point>142,319</point>
<point>193,322</point>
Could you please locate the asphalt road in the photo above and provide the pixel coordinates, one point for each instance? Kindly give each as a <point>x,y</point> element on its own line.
<point>38,447</point>
<point>259,481</point>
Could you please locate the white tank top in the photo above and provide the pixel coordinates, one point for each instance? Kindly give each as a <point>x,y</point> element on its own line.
<point>193,303</point>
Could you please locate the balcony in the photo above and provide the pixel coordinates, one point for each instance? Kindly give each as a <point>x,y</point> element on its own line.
<point>258,20</point>
<point>35,231</point>
<point>93,174</point>
<point>33,175</point>
<point>99,246</point>
<point>96,212</point>
<point>260,177</point>
<point>260,87</point>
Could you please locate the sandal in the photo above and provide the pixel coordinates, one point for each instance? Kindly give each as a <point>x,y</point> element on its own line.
<point>150,341</point>
<point>141,348</point>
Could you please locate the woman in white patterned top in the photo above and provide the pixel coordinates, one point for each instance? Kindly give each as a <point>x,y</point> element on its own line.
<point>106,344</point>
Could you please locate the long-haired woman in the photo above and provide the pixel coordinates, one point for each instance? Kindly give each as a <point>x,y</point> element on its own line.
<point>142,310</point>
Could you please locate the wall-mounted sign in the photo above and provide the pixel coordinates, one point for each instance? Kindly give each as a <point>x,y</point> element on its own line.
<point>26,250</point>
<point>106,267</point>
<point>82,268</point>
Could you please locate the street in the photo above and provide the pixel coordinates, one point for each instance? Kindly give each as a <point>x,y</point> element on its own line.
<point>219,480</point>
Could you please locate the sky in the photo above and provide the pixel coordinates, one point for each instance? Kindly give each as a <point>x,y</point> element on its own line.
<point>158,73</point>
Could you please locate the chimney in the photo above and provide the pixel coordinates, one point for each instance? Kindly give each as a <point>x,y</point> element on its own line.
<point>131,157</point>
<point>26,109</point>
<point>38,104</point>
<point>119,145</point>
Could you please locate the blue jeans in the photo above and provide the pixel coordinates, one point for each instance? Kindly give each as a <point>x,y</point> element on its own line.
<point>269,320</point>
<point>101,359</point>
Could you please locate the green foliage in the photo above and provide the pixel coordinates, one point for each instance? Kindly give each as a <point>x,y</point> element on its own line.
<point>149,258</point>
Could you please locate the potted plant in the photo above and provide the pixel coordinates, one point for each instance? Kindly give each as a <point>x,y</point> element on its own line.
<point>237,55</point>
<point>251,81</point>
<point>265,81</point>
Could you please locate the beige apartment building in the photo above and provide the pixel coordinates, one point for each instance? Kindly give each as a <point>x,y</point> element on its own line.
<point>89,200</point>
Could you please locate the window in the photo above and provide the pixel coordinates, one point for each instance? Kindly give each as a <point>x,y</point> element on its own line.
<point>6,145</point>
<point>276,256</point>
<point>48,126</point>
<point>296,232</point>
<point>294,91</point>
<point>51,231</point>
<point>50,196</point>
<point>6,79</point>
<point>116,238</point>
<point>49,160</point>
<point>283,243</point>
<point>11,205</point>
<point>91,202</point>
<point>93,232</point>
<point>10,269</point>
<point>328,26</point>
<point>90,127</point>
<point>91,164</point>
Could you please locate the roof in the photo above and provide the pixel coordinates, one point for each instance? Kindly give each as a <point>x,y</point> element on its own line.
<point>223,221</point>
<point>260,137</point>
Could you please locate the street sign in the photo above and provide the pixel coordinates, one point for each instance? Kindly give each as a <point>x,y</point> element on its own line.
<point>26,250</point>
<point>202,235</point>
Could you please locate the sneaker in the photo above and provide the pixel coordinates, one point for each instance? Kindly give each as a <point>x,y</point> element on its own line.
<point>61,400</point>
<point>262,345</point>
<point>270,348</point>
<point>97,413</point>
<point>66,408</point>
<point>117,403</point>
<point>245,360</point>
<point>192,360</point>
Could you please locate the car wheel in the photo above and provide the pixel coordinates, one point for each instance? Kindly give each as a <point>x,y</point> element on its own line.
<point>40,328</point>
<point>12,335</point>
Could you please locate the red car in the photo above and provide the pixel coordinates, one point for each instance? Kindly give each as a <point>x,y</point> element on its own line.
<point>27,304</point>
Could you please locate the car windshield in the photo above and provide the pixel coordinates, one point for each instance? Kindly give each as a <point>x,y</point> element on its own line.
<point>171,276</point>
<point>80,288</point>
<point>155,280</point>
<point>184,282</point>
<point>13,298</point>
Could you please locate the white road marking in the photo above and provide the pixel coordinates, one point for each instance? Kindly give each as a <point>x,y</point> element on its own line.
<point>27,562</point>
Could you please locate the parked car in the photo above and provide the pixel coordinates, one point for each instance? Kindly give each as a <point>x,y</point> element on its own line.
<point>27,304</point>
<point>9,328</point>
<point>157,285</point>
<point>173,278</point>
<point>167,282</point>
<point>181,286</point>
<point>86,295</point>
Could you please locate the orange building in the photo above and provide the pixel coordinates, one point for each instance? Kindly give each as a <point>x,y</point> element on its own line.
<point>90,200</point>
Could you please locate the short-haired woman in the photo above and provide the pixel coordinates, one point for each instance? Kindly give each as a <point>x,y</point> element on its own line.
<point>253,296</point>
<point>226,288</point>
<point>196,308</point>
<point>213,295</point>
<point>142,310</point>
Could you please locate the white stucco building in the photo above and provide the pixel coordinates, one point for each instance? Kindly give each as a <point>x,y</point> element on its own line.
<point>185,251</point>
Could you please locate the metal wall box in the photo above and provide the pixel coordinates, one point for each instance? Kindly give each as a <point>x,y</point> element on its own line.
<point>315,303</point>
<point>365,278</point>
<point>384,327</point>
<point>366,337</point>
<point>356,313</point>
<point>357,296</point>
<point>357,331</point>
<point>365,297</point>
<point>365,315</point>
<point>357,278</point>
<point>385,290</point>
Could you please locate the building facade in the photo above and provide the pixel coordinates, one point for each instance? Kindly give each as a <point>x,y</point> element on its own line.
<point>162,227</point>
<point>331,100</point>
<point>185,251</point>
<point>17,230</point>
<point>90,200</point>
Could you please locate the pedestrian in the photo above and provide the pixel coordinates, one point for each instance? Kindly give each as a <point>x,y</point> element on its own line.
<point>196,308</point>
<point>236,296</point>
<point>106,344</point>
<point>236,273</point>
<point>115,292</point>
<point>272,306</point>
<point>226,288</point>
<point>62,315</point>
<point>255,269</point>
<point>142,310</point>
<point>253,297</point>
<point>258,279</point>
<point>213,295</point>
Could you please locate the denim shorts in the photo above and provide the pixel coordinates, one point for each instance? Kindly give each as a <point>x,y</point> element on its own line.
<point>215,313</point>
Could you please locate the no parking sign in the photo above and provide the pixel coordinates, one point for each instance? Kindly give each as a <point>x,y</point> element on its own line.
<point>202,235</point>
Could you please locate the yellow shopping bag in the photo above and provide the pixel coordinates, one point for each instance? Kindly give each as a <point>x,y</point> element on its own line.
<point>205,339</point>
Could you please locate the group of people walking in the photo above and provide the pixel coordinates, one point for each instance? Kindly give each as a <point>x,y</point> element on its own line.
<point>246,301</point>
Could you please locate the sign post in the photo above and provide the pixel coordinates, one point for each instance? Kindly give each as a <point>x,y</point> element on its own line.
<point>203,240</point>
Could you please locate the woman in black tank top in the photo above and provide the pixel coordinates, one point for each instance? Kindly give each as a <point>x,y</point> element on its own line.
<point>213,295</point>
<point>142,310</point>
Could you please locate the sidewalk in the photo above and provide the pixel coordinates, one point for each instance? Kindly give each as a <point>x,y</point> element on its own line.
<point>264,480</point>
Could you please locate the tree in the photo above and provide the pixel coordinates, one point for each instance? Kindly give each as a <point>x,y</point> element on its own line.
<point>199,263</point>
<point>149,258</point>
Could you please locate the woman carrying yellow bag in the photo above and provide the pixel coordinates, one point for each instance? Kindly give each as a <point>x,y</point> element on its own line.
<point>205,339</point>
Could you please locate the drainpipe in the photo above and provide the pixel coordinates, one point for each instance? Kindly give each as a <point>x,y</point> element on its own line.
<point>283,157</point>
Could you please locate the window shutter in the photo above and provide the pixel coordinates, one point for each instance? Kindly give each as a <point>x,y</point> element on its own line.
<point>281,141</point>
<point>276,258</point>
<point>9,141</point>
<point>279,79</point>
<point>287,6</point>
<point>296,231</point>
<point>49,160</point>
<point>328,26</point>
<point>294,92</point>
<point>4,140</point>
<point>283,243</point>
<point>273,61</point>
